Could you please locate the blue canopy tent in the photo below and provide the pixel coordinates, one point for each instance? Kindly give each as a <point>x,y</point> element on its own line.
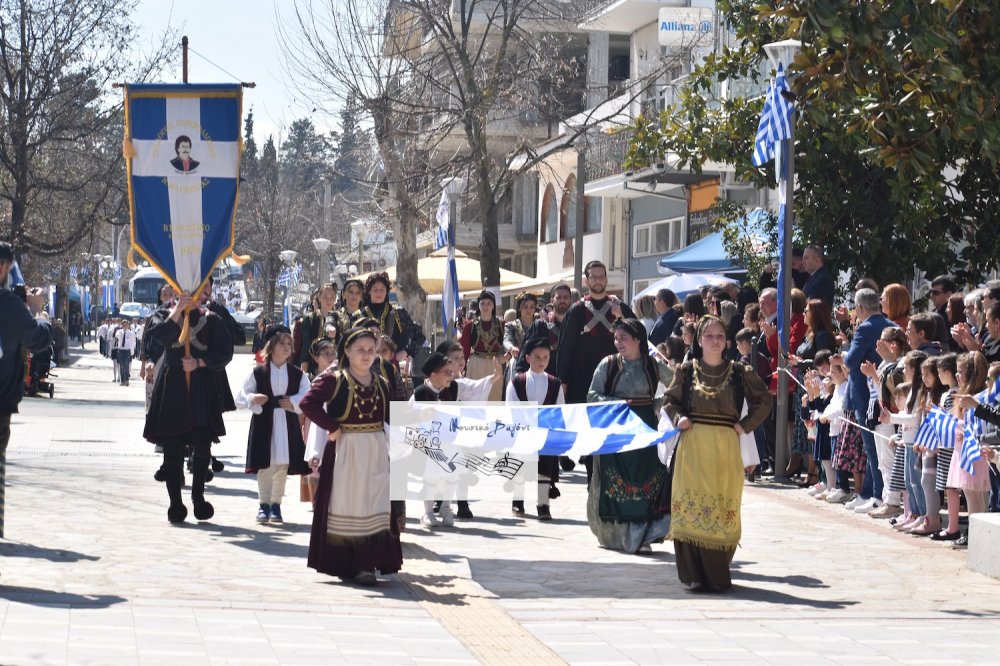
<point>709,253</point>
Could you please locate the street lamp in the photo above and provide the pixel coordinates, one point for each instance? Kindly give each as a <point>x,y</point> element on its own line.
<point>323,269</point>
<point>359,232</point>
<point>781,54</point>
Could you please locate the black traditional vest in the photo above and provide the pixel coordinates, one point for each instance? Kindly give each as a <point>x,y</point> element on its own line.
<point>261,425</point>
<point>449,393</point>
<point>520,382</point>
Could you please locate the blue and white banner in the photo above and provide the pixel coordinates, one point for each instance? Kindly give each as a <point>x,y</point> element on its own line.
<point>182,148</point>
<point>442,442</point>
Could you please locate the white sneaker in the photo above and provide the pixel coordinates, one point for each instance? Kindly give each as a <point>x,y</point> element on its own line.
<point>823,494</point>
<point>853,502</point>
<point>836,496</point>
<point>430,520</point>
<point>867,506</point>
<point>447,515</point>
<point>817,489</point>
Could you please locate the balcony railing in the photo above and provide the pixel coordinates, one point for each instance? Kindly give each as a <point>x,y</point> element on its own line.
<point>606,153</point>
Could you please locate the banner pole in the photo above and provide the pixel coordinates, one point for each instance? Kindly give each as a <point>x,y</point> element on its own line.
<point>186,337</point>
<point>184,59</point>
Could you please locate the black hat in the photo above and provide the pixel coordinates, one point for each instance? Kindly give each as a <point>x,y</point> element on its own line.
<point>274,330</point>
<point>486,293</point>
<point>535,342</point>
<point>436,361</point>
<point>447,347</point>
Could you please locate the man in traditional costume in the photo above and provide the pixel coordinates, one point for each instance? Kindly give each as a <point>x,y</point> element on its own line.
<point>588,336</point>
<point>190,394</point>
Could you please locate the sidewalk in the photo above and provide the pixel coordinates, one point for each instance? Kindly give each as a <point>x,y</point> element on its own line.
<point>92,573</point>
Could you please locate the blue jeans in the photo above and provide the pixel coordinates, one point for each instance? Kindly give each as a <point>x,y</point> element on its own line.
<point>873,485</point>
<point>124,362</point>
<point>914,487</point>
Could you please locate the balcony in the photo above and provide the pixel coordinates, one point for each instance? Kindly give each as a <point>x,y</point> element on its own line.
<point>621,16</point>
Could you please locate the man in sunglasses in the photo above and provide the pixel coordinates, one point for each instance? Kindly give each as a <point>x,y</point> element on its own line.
<point>942,287</point>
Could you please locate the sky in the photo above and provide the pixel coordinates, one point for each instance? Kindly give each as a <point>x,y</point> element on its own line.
<point>240,37</point>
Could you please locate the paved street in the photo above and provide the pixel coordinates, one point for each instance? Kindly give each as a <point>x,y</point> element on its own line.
<point>92,573</point>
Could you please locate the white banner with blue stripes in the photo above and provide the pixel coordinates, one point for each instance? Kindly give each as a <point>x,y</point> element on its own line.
<point>183,154</point>
<point>435,445</point>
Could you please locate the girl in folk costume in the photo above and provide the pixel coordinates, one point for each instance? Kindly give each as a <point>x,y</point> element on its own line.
<point>324,354</point>
<point>392,321</point>
<point>624,504</point>
<point>351,297</point>
<point>353,535</point>
<point>189,396</point>
<point>272,391</point>
<point>482,340</point>
<point>538,386</point>
<point>387,370</point>
<point>315,326</point>
<point>515,332</point>
<point>704,401</point>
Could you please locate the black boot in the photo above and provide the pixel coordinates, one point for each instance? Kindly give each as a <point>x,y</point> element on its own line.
<point>202,510</point>
<point>543,512</point>
<point>217,465</point>
<point>517,507</point>
<point>464,511</point>
<point>566,463</point>
<point>174,478</point>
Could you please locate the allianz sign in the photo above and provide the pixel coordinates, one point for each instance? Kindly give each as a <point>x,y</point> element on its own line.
<point>684,26</point>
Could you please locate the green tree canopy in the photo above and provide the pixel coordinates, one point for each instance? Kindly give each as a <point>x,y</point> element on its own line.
<point>897,138</point>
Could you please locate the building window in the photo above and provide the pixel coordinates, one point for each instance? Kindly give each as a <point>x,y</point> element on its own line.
<point>657,237</point>
<point>592,214</point>
<point>639,285</point>
<point>567,209</point>
<point>550,216</point>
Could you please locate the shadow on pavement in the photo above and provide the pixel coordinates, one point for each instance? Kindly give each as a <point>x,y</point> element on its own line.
<point>51,554</point>
<point>267,540</point>
<point>39,597</point>
<point>775,597</point>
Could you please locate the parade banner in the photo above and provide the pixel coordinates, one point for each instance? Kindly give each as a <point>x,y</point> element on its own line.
<point>182,148</point>
<point>440,448</point>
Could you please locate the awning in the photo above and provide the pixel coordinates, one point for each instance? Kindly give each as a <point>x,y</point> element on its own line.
<point>709,253</point>
<point>432,269</point>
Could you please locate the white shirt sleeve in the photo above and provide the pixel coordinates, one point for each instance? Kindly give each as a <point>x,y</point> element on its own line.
<point>247,394</point>
<point>511,393</point>
<point>474,390</point>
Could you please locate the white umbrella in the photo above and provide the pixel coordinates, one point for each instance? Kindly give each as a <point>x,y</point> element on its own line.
<point>683,283</point>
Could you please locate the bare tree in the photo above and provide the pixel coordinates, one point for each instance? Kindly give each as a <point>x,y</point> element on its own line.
<point>440,79</point>
<point>59,164</point>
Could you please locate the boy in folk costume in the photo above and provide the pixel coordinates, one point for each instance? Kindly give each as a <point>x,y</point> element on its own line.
<point>272,391</point>
<point>538,386</point>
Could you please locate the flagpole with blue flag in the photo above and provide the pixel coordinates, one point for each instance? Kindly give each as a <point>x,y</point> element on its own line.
<point>775,138</point>
<point>447,231</point>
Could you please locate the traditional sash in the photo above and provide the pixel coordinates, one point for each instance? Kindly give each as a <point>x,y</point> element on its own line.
<point>598,316</point>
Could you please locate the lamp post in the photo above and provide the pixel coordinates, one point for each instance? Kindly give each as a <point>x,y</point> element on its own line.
<point>323,268</point>
<point>288,258</point>
<point>359,232</point>
<point>783,53</point>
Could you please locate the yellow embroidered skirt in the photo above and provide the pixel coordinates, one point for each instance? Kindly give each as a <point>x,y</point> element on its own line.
<point>707,488</point>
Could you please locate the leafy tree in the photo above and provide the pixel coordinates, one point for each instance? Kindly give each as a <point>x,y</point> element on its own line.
<point>897,138</point>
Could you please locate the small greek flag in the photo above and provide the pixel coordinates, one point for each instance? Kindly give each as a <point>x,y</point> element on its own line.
<point>775,121</point>
<point>938,430</point>
<point>285,277</point>
<point>972,450</point>
<point>72,272</point>
<point>443,213</point>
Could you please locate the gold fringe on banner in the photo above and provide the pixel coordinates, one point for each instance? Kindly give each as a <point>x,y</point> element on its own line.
<point>130,259</point>
<point>128,150</point>
<point>240,259</point>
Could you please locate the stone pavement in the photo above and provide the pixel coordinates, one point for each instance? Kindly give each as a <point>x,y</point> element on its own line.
<point>92,573</point>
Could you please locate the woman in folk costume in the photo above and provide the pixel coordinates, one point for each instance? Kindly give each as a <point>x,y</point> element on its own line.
<point>482,340</point>
<point>514,332</point>
<point>387,370</point>
<point>345,317</point>
<point>272,391</point>
<point>353,535</point>
<point>190,393</point>
<point>705,402</point>
<point>393,321</point>
<point>314,325</point>
<point>538,386</point>
<point>624,503</point>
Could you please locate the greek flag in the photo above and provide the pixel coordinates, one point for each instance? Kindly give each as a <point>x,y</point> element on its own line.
<point>182,148</point>
<point>285,277</point>
<point>938,430</point>
<point>443,212</point>
<point>972,450</point>
<point>775,121</point>
<point>449,291</point>
<point>555,430</point>
<point>73,272</point>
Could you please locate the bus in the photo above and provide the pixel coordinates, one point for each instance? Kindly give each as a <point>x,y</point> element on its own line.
<point>144,286</point>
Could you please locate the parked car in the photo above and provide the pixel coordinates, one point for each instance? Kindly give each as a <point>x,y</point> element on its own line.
<point>248,321</point>
<point>134,310</point>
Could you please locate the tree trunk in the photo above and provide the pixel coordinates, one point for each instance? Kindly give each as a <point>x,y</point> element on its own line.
<point>269,287</point>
